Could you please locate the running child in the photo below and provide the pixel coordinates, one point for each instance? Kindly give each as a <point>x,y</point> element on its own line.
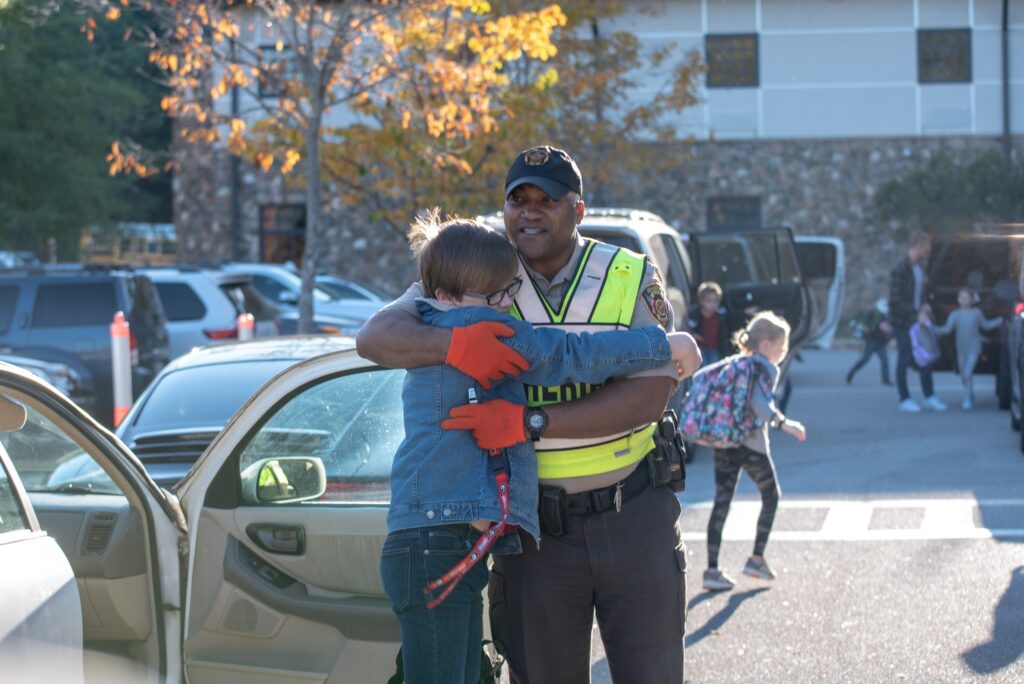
<point>969,322</point>
<point>766,341</point>
<point>445,490</point>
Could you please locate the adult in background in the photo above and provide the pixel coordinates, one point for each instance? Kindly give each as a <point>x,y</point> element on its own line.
<point>610,537</point>
<point>907,295</point>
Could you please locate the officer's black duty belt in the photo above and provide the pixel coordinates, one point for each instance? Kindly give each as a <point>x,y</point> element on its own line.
<point>601,500</point>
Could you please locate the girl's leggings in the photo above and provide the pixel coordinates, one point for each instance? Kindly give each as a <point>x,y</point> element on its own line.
<point>967,362</point>
<point>761,470</point>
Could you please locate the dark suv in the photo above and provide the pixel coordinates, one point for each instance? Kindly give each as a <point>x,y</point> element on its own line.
<point>63,314</point>
<point>989,263</point>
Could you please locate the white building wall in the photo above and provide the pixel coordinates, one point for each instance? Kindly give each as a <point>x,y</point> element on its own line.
<point>838,68</point>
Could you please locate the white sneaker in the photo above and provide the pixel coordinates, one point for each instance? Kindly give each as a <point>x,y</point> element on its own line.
<point>934,404</point>
<point>909,406</point>
<point>716,580</point>
<point>967,405</point>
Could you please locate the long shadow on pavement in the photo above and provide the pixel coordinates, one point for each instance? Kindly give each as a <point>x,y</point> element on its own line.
<point>1006,645</point>
<point>718,620</point>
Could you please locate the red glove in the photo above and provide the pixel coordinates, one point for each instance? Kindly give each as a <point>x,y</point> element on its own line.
<point>476,351</point>
<point>495,424</point>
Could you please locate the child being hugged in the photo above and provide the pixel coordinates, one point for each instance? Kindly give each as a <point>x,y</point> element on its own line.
<point>968,322</point>
<point>444,489</point>
<point>765,341</point>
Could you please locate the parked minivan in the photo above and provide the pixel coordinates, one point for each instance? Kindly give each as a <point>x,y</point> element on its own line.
<point>63,314</point>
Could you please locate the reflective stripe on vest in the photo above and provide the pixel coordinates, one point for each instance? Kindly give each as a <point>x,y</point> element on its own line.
<point>601,296</point>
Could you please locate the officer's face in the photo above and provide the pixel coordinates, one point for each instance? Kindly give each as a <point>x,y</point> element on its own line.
<point>543,229</point>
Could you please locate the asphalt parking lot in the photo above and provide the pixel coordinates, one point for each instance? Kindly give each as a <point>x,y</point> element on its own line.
<point>899,544</point>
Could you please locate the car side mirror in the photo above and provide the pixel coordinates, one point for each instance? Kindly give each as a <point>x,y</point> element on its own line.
<point>286,297</point>
<point>284,479</point>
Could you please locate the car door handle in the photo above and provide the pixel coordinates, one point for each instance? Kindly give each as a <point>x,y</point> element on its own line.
<point>289,540</point>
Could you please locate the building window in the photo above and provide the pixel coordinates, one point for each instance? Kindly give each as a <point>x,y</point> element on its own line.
<point>944,56</point>
<point>732,60</point>
<point>279,68</point>
<point>282,233</point>
<point>730,213</point>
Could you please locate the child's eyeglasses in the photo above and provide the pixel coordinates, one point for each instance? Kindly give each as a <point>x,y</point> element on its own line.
<point>494,299</point>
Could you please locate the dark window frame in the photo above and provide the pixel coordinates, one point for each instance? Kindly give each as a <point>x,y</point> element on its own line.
<point>274,231</point>
<point>730,63</point>
<point>272,86</point>
<point>735,212</point>
<point>944,56</point>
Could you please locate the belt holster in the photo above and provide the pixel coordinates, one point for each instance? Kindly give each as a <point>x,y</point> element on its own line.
<point>554,511</point>
<point>667,463</point>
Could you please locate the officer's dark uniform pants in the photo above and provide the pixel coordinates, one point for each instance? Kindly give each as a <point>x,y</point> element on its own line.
<point>629,566</point>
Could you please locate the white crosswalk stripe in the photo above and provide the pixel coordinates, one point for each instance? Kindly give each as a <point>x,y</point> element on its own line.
<point>867,520</point>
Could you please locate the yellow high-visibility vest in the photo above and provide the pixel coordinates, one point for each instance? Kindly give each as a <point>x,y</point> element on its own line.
<point>601,296</point>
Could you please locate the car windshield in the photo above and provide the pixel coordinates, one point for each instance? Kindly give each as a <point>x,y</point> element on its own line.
<point>203,396</point>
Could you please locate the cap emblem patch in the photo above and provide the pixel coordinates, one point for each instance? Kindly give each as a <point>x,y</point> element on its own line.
<point>536,157</point>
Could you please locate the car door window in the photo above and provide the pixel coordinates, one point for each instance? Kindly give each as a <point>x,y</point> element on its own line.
<point>74,304</point>
<point>353,423</point>
<point>48,460</point>
<point>268,287</point>
<point>180,302</point>
<point>12,516</point>
<point>8,301</point>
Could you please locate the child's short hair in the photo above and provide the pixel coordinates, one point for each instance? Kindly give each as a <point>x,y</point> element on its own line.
<point>709,288</point>
<point>764,326</point>
<point>456,255</point>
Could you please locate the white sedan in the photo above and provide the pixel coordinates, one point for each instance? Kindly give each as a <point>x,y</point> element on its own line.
<point>263,568</point>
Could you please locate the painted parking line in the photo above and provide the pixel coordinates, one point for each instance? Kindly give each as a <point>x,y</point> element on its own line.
<point>845,520</point>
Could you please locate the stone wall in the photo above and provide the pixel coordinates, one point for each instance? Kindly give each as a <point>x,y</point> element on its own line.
<point>816,187</point>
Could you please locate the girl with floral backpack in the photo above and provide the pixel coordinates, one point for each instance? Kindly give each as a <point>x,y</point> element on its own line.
<point>730,407</point>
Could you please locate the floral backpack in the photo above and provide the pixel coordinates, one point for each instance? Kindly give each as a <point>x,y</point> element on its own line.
<point>716,411</point>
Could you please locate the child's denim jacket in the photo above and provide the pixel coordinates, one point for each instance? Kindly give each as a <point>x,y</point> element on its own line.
<point>441,476</point>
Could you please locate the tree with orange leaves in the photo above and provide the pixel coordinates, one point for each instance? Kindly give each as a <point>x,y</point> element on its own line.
<point>436,64</point>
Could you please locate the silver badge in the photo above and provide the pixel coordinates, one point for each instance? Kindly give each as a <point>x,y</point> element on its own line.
<point>536,157</point>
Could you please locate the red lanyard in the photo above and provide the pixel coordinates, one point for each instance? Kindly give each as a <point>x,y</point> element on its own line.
<point>450,579</point>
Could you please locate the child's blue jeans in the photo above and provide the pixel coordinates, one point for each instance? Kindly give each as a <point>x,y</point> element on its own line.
<point>443,645</point>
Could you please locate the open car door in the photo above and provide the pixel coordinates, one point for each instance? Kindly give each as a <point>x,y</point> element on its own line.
<point>757,270</point>
<point>822,264</point>
<point>119,536</point>
<point>287,510</point>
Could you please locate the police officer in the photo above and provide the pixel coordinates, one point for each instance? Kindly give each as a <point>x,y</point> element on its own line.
<point>611,540</point>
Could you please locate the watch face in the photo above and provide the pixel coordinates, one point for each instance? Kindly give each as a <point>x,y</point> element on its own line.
<point>536,421</point>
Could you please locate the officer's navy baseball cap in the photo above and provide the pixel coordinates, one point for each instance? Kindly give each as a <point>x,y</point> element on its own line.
<point>549,168</point>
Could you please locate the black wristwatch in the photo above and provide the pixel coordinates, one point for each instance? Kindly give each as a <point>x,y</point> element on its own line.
<point>777,420</point>
<point>535,420</point>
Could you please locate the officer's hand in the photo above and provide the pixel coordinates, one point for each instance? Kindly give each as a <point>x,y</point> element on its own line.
<point>495,424</point>
<point>477,351</point>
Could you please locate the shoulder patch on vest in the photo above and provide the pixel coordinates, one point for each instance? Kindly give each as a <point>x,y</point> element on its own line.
<point>654,298</point>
